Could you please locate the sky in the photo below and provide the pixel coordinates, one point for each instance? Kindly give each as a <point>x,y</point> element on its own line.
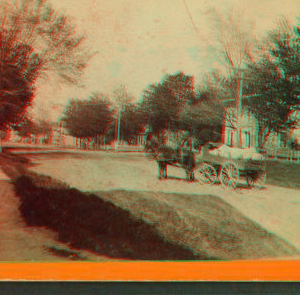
<point>137,41</point>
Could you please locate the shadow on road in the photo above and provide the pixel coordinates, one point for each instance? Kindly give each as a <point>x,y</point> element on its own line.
<point>85,221</point>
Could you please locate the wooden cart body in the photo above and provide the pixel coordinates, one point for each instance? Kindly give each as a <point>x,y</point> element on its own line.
<point>210,167</point>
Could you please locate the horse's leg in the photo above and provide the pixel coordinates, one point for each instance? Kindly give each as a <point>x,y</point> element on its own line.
<point>159,169</point>
<point>162,169</point>
<point>166,169</point>
<point>190,176</point>
<point>190,167</point>
<point>187,174</point>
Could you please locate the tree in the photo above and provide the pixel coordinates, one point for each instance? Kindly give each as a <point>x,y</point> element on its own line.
<point>15,95</point>
<point>132,121</point>
<point>35,41</point>
<point>212,94</point>
<point>160,107</point>
<point>233,45</point>
<point>271,67</point>
<point>27,127</point>
<point>3,135</point>
<point>88,118</point>
<point>163,102</point>
<point>232,40</point>
<point>275,76</point>
<point>121,96</point>
<point>124,104</point>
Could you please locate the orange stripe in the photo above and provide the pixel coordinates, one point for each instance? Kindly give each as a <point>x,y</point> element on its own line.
<point>154,271</point>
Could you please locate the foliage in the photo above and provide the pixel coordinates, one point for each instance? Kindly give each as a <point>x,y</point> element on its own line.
<point>275,74</point>
<point>163,102</point>
<point>131,116</point>
<point>35,41</point>
<point>88,118</point>
<point>132,121</point>
<point>159,107</point>
<point>3,135</point>
<point>15,95</point>
<point>121,96</point>
<point>175,105</point>
<point>27,127</point>
<point>294,145</point>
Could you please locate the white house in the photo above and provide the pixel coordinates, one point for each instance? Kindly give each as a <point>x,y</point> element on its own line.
<point>248,131</point>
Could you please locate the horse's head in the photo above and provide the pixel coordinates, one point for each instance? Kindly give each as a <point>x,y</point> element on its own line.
<point>151,145</point>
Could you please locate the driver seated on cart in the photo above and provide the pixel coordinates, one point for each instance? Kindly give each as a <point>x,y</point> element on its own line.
<point>185,154</point>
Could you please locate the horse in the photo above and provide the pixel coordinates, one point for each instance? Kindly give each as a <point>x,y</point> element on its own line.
<point>166,155</point>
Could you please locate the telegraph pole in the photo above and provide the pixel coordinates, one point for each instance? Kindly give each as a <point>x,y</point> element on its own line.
<point>239,97</point>
<point>117,129</point>
<point>119,122</point>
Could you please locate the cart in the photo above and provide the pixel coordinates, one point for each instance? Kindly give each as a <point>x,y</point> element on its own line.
<point>211,167</point>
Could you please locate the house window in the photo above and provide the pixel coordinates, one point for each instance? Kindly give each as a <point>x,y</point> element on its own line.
<point>229,140</point>
<point>245,138</point>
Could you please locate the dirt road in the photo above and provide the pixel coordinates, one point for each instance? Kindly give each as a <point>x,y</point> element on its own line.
<point>276,209</point>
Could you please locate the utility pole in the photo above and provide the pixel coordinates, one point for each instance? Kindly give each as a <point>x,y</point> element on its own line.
<point>239,97</point>
<point>117,129</point>
<point>119,122</point>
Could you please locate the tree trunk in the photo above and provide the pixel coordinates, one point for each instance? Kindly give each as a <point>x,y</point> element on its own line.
<point>263,137</point>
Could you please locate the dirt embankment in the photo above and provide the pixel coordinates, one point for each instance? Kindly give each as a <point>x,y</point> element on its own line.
<point>141,225</point>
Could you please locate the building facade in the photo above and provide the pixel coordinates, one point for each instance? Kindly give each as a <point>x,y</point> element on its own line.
<point>248,131</point>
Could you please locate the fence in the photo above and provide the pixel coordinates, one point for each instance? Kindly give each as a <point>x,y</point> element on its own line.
<point>128,148</point>
<point>281,154</point>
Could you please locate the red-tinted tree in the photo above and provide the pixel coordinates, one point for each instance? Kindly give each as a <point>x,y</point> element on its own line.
<point>35,41</point>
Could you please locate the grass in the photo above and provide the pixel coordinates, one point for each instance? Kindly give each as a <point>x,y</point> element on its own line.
<point>142,225</point>
<point>206,224</point>
<point>283,174</point>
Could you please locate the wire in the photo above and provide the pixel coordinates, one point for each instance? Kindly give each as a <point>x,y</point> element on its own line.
<point>190,16</point>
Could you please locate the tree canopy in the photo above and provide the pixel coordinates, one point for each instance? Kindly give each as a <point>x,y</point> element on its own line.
<point>35,41</point>
<point>88,118</point>
<point>275,81</point>
<point>270,67</point>
<point>164,102</point>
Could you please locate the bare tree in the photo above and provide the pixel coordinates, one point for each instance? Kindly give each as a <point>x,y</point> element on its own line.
<point>231,39</point>
<point>123,100</point>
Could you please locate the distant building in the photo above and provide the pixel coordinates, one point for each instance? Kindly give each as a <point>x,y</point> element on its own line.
<point>248,131</point>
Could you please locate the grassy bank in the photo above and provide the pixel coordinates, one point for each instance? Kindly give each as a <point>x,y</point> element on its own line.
<point>283,174</point>
<point>141,225</point>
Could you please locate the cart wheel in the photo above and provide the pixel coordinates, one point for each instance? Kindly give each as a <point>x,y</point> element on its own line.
<point>256,181</point>
<point>229,175</point>
<point>206,174</point>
